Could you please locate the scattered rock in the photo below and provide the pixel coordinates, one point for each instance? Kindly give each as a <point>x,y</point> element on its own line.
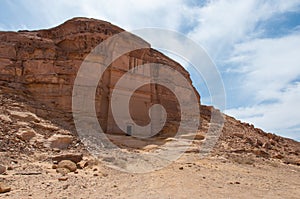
<point>74,157</point>
<point>278,156</point>
<point>240,135</point>
<point>261,153</point>
<point>63,178</point>
<point>180,168</point>
<point>267,145</point>
<point>109,159</point>
<point>150,147</point>
<point>62,171</point>
<point>59,141</point>
<point>4,188</point>
<point>197,136</point>
<point>259,142</point>
<point>82,164</point>
<point>45,126</point>
<point>5,118</point>
<point>26,134</point>
<point>66,186</point>
<point>250,140</point>
<point>24,116</point>
<point>68,165</point>
<point>2,169</point>
<point>56,150</point>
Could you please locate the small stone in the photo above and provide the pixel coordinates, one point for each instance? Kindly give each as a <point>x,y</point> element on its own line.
<point>2,169</point>
<point>56,150</point>
<point>63,178</point>
<point>240,135</point>
<point>237,183</point>
<point>5,118</point>
<point>95,174</point>
<point>71,166</point>
<point>59,141</point>
<point>74,157</point>
<point>180,168</point>
<point>199,137</point>
<point>261,153</point>
<point>63,171</point>
<point>54,166</point>
<point>65,186</point>
<point>82,164</point>
<point>267,145</point>
<point>278,156</point>
<point>26,134</point>
<point>9,168</point>
<point>4,188</point>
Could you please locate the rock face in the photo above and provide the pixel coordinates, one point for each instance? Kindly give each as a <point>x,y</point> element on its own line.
<point>42,66</point>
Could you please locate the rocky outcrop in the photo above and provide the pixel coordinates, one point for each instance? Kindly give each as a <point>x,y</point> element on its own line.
<point>42,66</point>
<point>243,140</point>
<point>37,72</point>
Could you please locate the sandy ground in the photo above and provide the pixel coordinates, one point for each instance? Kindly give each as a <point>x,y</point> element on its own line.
<point>188,177</point>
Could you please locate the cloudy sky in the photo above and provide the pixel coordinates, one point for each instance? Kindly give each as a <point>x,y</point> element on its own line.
<point>255,45</point>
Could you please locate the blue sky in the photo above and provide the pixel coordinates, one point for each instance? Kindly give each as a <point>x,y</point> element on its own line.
<point>255,45</point>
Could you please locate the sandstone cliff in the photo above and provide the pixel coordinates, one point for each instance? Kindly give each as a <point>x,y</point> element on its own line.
<point>42,65</point>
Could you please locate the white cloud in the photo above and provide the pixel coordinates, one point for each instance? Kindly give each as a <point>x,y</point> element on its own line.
<point>221,24</point>
<point>281,117</point>
<point>126,14</point>
<point>273,76</point>
<point>271,64</point>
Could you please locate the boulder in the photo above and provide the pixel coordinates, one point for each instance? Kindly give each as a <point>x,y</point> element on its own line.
<point>74,157</point>
<point>59,141</point>
<point>67,164</point>
<point>4,188</point>
<point>26,134</point>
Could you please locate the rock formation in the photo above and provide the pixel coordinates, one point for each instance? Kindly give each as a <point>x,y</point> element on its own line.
<point>42,65</point>
<point>37,72</point>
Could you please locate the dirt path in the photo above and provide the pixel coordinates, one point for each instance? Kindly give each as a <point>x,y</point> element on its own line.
<point>189,177</point>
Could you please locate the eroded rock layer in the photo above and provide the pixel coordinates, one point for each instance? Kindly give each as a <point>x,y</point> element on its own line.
<point>42,65</point>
